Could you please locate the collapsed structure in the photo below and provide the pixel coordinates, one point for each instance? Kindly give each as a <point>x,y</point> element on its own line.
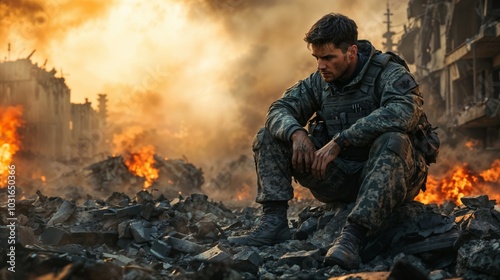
<point>54,127</point>
<point>455,48</point>
<point>457,64</point>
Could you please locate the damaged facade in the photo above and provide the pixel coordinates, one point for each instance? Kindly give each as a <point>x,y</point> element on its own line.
<point>455,48</point>
<point>54,127</point>
<point>88,129</point>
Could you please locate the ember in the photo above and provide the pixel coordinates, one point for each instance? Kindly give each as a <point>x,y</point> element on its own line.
<point>142,164</point>
<point>10,122</point>
<point>459,182</point>
<point>471,144</point>
<point>244,193</point>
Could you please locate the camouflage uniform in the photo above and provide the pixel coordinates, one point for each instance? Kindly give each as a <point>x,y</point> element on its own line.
<point>393,171</point>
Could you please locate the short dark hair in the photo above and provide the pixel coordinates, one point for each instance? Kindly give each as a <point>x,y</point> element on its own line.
<point>333,28</point>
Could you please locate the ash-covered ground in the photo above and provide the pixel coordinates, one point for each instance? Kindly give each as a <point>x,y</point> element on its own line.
<point>91,223</point>
<point>156,237</point>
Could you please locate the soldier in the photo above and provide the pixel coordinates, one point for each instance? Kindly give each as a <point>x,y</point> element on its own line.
<point>367,105</point>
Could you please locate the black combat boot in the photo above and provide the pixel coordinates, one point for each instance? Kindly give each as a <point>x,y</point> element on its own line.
<point>271,229</point>
<point>345,250</point>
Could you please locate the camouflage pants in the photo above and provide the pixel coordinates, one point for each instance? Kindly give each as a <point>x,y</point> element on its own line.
<point>392,175</point>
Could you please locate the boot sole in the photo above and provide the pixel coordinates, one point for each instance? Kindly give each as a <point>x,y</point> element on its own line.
<point>337,260</point>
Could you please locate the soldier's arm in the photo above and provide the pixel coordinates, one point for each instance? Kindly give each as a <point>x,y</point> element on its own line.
<point>292,111</point>
<point>400,108</point>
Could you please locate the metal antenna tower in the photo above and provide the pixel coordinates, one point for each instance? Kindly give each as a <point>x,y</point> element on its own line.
<point>388,34</point>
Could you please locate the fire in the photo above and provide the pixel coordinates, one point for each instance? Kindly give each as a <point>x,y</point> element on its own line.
<point>471,144</point>
<point>492,174</point>
<point>10,122</point>
<point>244,193</point>
<point>142,163</point>
<point>462,181</point>
<point>301,193</point>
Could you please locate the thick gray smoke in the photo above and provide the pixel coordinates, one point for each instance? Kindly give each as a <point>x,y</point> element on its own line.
<point>193,78</point>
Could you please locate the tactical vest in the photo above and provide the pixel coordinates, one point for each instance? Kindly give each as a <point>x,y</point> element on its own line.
<point>340,110</point>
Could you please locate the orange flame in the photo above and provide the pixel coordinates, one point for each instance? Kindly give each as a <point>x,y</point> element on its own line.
<point>10,122</point>
<point>142,163</point>
<point>492,174</point>
<point>301,193</point>
<point>462,181</point>
<point>471,144</point>
<point>244,193</point>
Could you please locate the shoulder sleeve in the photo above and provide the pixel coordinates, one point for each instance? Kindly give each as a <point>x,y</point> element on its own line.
<point>295,107</point>
<point>399,109</point>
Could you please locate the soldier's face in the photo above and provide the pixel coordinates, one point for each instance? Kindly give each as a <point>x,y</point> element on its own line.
<point>333,64</point>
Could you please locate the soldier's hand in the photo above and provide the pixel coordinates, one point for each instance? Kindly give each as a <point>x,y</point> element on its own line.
<point>323,157</point>
<point>303,151</point>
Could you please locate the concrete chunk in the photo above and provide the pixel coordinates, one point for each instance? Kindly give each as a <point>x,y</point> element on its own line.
<point>133,210</point>
<point>25,235</point>
<point>487,215</point>
<point>124,230</point>
<point>147,211</point>
<point>140,233</point>
<point>205,229</point>
<point>305,259</point>
<point>183,246</point>
<point>120,258</point>
<point>477,230</point>
<point>54,236</point>
<point>118,199</point>
<point>162,205</point>
<point>63,213</point>
<point>143,197</point>
<point>100,212</point>
<point>248,261</point>
<point>480,255</point>
<point>90,204</point>
<point>160,249</point>
<point>123,243</point>
<point>433,243</point>
<point>306,228</point>
<point>478,201</point>
<point>215,254</point>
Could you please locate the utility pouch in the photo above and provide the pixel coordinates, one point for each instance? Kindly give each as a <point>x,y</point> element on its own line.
<point>317,129</point>
<point>426,140</point>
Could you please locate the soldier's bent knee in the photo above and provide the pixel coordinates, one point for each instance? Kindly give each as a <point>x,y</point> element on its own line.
<point>396,142</point>
<point>262,136</point>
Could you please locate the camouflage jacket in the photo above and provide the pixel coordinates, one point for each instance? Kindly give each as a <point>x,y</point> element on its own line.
<point>398,110</point>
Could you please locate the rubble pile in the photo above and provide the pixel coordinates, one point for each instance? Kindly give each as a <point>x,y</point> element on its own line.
<point>186,238</point>
<point>112,175</point>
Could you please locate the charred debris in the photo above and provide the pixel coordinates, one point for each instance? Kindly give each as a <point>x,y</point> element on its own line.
<point>157,237</point>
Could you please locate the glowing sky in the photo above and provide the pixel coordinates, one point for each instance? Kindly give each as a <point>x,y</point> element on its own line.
<point>194,78</point>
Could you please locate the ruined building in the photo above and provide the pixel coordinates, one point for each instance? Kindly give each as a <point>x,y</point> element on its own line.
<point>53,127</point>
<point>88,129</point>
<point>454,46</point>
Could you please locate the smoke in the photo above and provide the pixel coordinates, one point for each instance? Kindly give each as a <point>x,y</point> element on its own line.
<point>193,78</point>
<point>240,56</point>
<point>36,24</point>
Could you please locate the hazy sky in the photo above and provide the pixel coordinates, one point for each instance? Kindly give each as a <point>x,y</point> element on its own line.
<point>199,42</point>
<point>193,78</point>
